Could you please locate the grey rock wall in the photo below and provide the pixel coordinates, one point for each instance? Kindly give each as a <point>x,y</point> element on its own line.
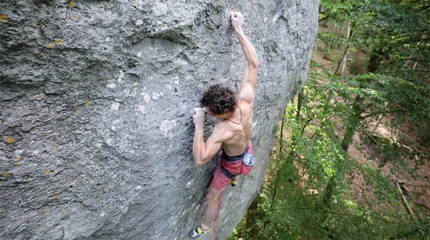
<point>95,110</point>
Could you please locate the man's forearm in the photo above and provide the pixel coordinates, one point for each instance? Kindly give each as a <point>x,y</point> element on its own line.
<point>198,143</point>
<point>247,47</point>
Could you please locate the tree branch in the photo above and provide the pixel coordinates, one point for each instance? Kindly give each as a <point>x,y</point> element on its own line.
<point>322,19</point>
<point>405,201</point>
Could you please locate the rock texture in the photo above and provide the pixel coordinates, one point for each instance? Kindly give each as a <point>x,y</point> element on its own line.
<point>95,110</point>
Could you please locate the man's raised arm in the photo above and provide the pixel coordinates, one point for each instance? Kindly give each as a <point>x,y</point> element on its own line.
<point>249,80</point>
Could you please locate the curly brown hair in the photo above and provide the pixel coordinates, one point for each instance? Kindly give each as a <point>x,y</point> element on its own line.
<point>219,99</point>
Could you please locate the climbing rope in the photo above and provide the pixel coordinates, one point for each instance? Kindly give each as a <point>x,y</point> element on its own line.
<point>217,215</point>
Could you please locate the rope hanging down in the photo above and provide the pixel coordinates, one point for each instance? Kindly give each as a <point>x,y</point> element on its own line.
<point>217,215</point>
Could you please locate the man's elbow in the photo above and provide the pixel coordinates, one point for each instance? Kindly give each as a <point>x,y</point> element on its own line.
<point>254,64</point>
<point>200,161</point>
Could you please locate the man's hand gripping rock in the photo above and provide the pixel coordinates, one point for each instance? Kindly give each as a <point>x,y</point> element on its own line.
<point>236,19</point>
<point>199,116</point>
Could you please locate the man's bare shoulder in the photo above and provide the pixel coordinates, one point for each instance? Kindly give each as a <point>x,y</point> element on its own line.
<point>247,94</point>
<point>221,132</point>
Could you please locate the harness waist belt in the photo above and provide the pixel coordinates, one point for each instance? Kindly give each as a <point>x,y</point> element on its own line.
<point>230,159</point>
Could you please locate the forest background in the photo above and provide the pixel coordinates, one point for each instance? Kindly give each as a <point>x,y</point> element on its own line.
<point>351,158</point>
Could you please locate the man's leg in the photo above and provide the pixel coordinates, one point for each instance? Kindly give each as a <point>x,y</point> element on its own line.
<point>211,211</point>
<point>211,208</point>
<point>219,183</point>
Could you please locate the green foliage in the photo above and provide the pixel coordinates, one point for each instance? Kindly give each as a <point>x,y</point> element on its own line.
<point>309,193</point>
<point>276,128</point>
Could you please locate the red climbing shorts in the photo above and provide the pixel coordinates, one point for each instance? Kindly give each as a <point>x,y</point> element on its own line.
<point>220,180</point>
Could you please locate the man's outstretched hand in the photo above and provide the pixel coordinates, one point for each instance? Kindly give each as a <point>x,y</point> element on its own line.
<point>199,116</point>
<point>236,19</point>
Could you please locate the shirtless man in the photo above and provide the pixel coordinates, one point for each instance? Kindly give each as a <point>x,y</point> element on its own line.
<point>233,133</point>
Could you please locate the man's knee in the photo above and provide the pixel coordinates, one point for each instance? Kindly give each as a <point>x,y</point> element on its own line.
<point>213,195</point>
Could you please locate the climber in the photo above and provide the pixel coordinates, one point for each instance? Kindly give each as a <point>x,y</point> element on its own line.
<point>232,134</point>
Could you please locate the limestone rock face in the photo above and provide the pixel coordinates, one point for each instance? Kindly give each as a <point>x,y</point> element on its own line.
<point>96,99</point>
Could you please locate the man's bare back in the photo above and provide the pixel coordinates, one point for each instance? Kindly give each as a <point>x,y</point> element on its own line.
<point>240,126</point>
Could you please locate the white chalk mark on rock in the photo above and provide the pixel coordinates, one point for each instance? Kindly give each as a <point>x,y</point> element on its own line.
<point>121,76</point>
<point>146,97</point>
<point>114,106</point>
<point>167,125</point>
<point>141,108</point>
<point>155,96</point>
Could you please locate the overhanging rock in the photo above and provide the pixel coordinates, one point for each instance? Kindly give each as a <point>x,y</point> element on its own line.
<point>95,110</point>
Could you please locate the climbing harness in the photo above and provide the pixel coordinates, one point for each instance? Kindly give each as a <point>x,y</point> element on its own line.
<point>247,159</point>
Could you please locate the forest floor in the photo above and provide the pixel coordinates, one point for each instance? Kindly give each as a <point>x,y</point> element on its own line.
<point>414,187</point>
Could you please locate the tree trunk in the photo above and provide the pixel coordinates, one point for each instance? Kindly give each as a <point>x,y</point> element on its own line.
<point>329,192</point>
<point>345,50</point>
<point>374,60</point>
<point>281,135</point>
<point>354,120</point>
<point>251,217</point>
<point>299,105</point>
<point>352,124</point>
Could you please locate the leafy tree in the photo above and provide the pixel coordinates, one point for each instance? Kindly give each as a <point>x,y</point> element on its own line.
<point>309,193</point>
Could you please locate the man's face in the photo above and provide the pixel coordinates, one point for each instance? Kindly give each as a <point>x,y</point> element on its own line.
<point>222,116</point>
<point>209,112</point>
